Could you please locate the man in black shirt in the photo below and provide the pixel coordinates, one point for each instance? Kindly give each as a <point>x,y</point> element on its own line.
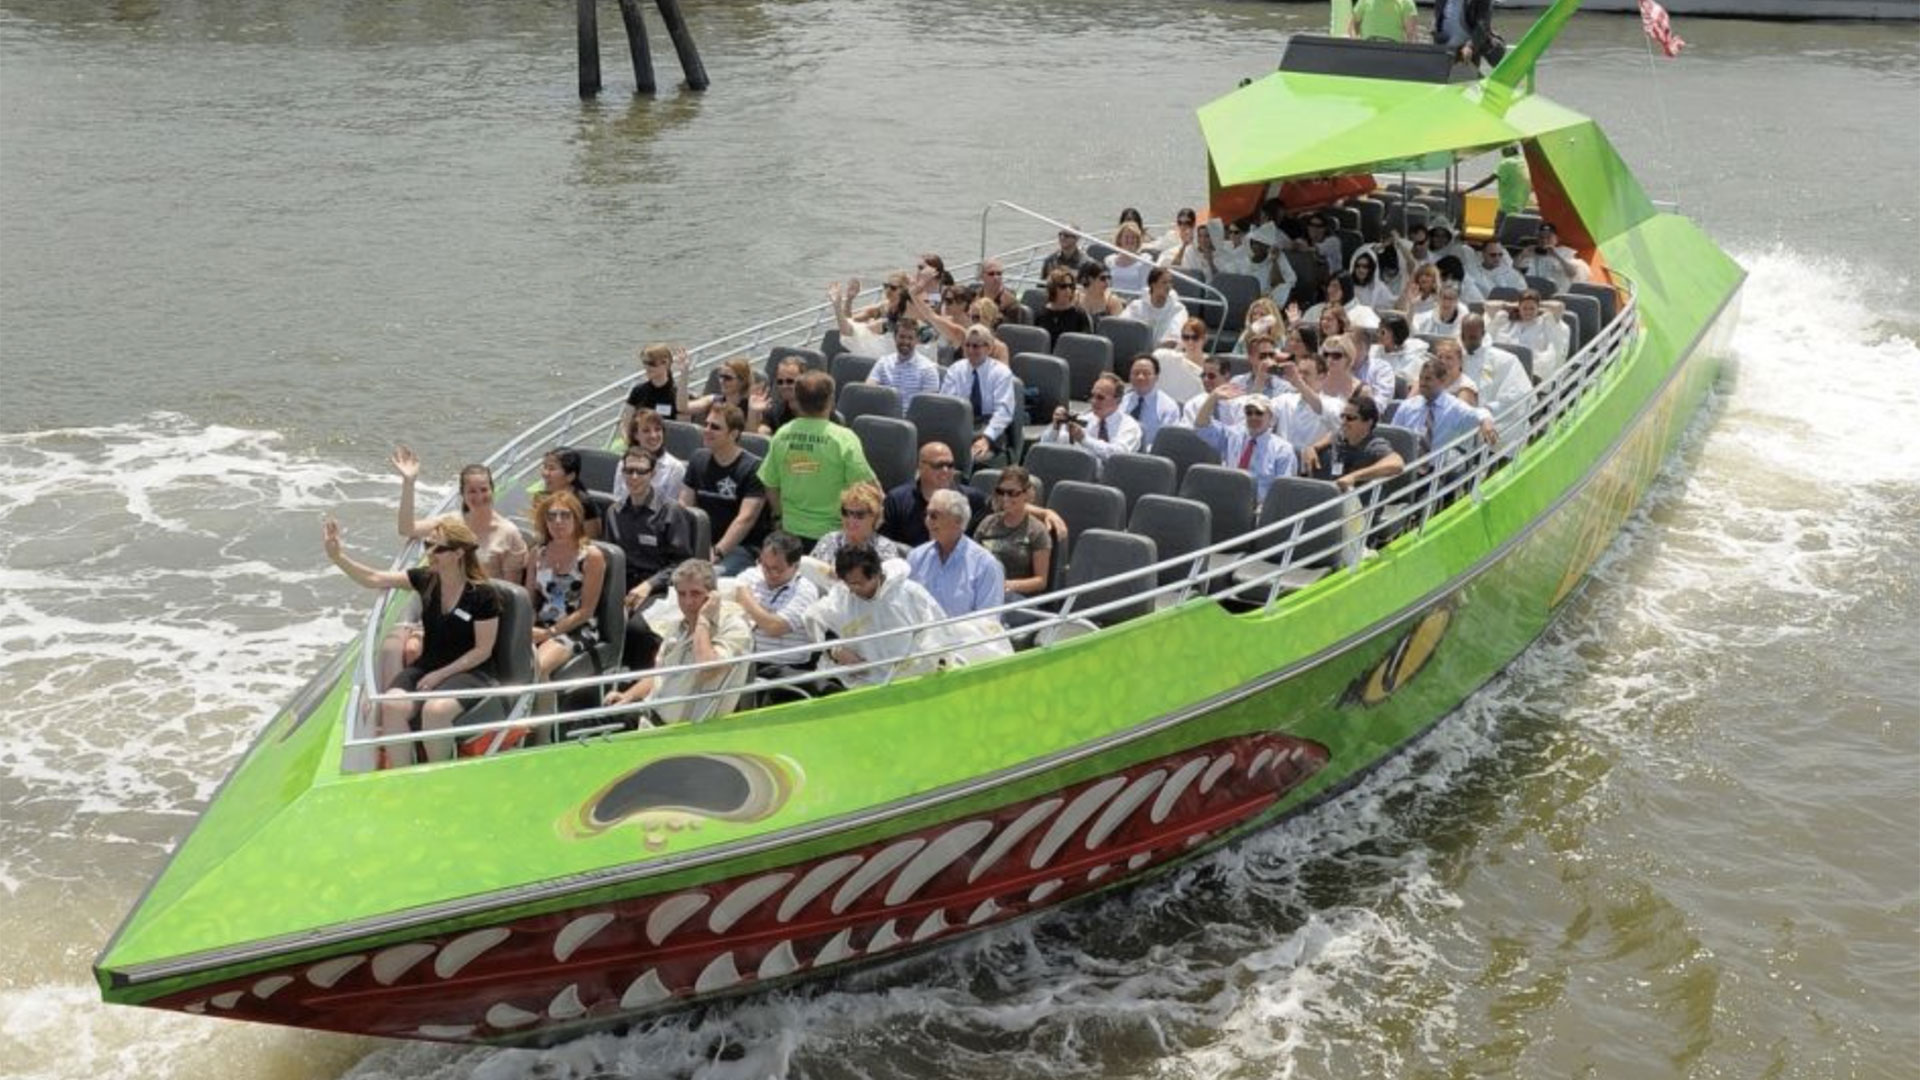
<point>723,480</point>
<point>904,518</point>
<point>656,536</point>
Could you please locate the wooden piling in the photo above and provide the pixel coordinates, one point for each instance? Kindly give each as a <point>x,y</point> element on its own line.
<point>587,21</point>
<point>683,44</point>
<point>637,45</point>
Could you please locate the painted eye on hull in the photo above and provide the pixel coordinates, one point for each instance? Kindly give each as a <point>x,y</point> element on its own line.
<point>726,787</point>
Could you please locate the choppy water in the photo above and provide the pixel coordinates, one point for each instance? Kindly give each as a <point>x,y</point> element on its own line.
<point>242,249</point>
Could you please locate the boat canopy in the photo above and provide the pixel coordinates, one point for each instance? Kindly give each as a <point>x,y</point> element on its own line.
<point>1303,124</point>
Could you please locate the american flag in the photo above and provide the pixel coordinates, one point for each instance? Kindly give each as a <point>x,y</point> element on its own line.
<point>1653,19</point>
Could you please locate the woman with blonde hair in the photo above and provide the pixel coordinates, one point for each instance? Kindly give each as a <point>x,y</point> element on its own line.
<point>565,580</point>
<point>1128,266</point>
<point>460,619</point>
<point>861,506</point>
<point>1263,317</point>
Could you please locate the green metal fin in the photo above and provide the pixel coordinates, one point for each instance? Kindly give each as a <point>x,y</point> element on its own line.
<point>1499,87</point>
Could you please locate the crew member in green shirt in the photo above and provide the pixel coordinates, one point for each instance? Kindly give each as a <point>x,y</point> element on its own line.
<point>811,461</point>
<point>1391,19</point>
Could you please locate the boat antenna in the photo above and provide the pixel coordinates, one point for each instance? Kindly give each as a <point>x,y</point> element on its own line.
<point>1500,87</point>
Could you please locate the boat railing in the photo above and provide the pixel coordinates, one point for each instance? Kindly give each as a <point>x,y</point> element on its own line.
<point>1251,570</point>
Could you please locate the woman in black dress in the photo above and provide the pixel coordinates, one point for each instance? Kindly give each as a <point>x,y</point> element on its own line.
<point>459,620</point>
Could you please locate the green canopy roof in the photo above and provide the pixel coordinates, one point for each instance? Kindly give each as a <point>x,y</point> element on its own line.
<point>1293,125</point>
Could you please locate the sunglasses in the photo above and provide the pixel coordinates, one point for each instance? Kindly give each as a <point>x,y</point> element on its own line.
<point>992,273</point>
<point>636,472</point>
<point>855,512</point>
<point>436,549</point>
<point>785,382</point>
<point>948,464</point>
<point>978,345</point>
<point>716,427</point>
<point>1350,416</point>
<point>1332,354</point>
<point>559,515</point>
<point>727,376</point>
<point>1189,337</point>
<point>1256,412</point>
<point>1008,493</point>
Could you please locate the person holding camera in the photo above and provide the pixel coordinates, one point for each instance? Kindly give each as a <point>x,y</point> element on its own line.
<point>1105,430</point>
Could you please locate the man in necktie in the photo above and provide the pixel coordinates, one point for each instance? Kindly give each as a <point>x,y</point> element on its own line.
<point>1112,430</point>
<point>1149,406</point>
<point>987,385</point>
<point>1250,445</point>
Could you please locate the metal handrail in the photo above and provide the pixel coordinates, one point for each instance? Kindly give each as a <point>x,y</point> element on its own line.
<point>1444,474</point>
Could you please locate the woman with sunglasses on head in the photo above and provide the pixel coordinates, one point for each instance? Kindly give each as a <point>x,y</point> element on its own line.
<point>1016,535</point>
<point>560,471</point>
<point>565,578</point>
<point>648,432</point>
<point>658,392</point>
<point>460,619</point>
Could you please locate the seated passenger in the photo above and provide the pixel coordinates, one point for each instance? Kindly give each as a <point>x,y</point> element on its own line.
<point>870,599</point>
<point>993,286</point>
<point>1215,374</point>
<point>1015,535</point>
<point>656,535</point>
<point>1545,257</point>
<point>564,579</point>
<point>1322,242</point>
<point>775,596</point>
<point>776,409</point>
<point>736,389</point>
<point>1494,270</point>
<point>1069,258</point>
<point>1444,319</point>
<point>1148,405</point>
<point>1161,309</point>
<point>1263,319</point>
<point>1423,292</point>
<point>988,385</point>
<point>860,515</point>
<point>960,574</point>
<point>1265,245</point>
<point>811,461</point>
<point>658,392</point>
<point>1535,324</point>
<point>560,472</point>
<point>1356,455</point>
<point>503,551</point>
<point>906,369</point>
<point>460,617</point>
<point>1252,446</point>
<point>724,480</point>
<point>1305,414</point>
<point>1505,388</point>
<point>1061,315</point>
<point>1368,289</point>
<point>701,628</point>
<point>904,517</point>
<point>1107,430</point>
<point>1456,382</point>
<point>1180,368</point>
<point>1399,349</point>
<point>1127,264</point>
<point>646,431</point>
<point>867,332</point>
<point>1096,292</point>
<point>1437,416</point>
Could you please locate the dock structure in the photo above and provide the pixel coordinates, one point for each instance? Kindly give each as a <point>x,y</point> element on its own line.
<point>587,25</point>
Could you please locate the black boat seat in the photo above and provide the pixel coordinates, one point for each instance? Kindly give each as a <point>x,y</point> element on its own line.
<point>892,448</point>
<point>868,399</point>
<point>1088,356</point>
<point>1314,557</point>
<point>1084,507</point>
<point>1176,526</point>
<point>1185,448</point>
<point>511,664</point>
<point>1100,553</point>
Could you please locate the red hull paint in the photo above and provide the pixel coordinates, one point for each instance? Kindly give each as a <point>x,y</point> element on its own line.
<point>543,977</point>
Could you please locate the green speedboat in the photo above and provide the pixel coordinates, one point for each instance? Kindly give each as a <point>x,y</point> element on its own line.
<point>1176,694</point>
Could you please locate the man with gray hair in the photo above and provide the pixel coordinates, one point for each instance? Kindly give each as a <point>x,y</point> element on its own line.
<point>962,576</point>
<point>702,628</point>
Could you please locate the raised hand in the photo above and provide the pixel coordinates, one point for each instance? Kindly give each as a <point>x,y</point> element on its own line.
<point>405,462</point>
